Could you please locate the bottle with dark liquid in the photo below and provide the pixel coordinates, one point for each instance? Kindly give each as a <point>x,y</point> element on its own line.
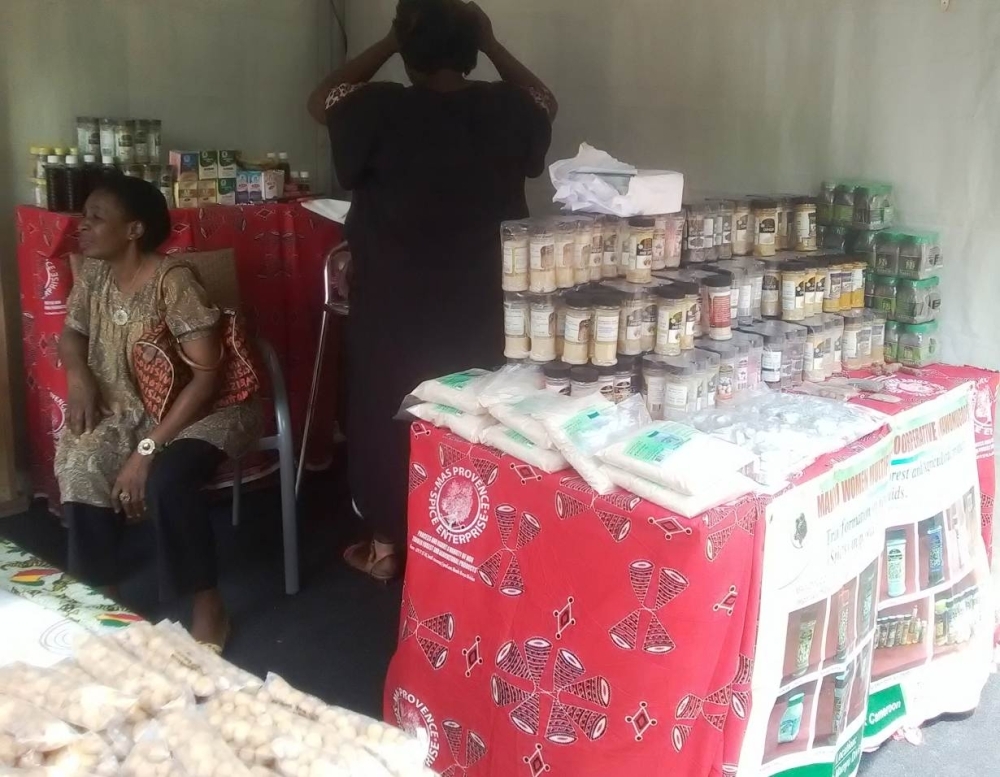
<point>108,165</point>
<point>56,198</point>
<point>283,164</point>
<point>75,193</point>
<point>91,175</point>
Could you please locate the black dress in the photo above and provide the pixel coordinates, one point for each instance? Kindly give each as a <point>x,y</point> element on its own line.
<point>433,174</point>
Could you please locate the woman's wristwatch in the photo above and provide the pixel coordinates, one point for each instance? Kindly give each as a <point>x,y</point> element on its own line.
<point>147,447</point>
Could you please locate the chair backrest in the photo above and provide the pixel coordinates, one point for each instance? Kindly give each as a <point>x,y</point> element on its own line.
<point>217,270</point>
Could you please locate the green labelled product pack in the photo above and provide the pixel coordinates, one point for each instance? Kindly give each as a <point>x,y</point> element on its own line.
<point>459,390</point>
<point>678,457</point>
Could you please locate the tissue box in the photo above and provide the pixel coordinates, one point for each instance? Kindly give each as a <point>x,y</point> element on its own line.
<point>208,192</point>
<point>184,165</point>
<point>249,187</point>
<point>227,191</point>
<point>186,194</point>
<point>208,165</point>
<point>227,164</point>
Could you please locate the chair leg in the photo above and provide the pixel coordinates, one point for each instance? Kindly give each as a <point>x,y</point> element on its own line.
<point>313,392</point>
<point>237,490</point>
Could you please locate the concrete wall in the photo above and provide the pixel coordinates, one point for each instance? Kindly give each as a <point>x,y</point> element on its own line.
<point>775,95</point>
<point>218,73</point>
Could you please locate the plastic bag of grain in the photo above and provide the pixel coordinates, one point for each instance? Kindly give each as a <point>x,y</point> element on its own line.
<point>580,427</point>
<point>730,488</point>
<point>522,416</point>
<point>468,427</point>
<point>33,728</point>
<point>678,457</point>
<point>520,447</point>
<point>459,390</point>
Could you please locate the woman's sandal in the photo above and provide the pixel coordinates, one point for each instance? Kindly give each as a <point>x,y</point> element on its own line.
<point>365,558</point>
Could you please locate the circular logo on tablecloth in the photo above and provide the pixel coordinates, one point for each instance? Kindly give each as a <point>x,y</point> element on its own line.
<point>914,386</point>
<point>459,505</point>
<point>57,413</point>
<point>982,416</point>
<point>416,719</point>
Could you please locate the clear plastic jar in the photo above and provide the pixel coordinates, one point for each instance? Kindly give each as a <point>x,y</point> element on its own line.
<point>832,292</point>
<point>542,313</point>
<point>891,342</point>
<point>796,340</point>
<point>853,325</point>
<point>581,250</point>
<point>560,324</point>
<point>837,338</point>
<point>770,300</point>
<point>514,239</point>
<point>680,384</point>
<point>793,291</point>
<point>884,292</point>
<point>765,216</point>
<point>724,212</point>
<point>886,254</point>
<point>606,381</point>
<point>805,224</point>
<point>564,230</point>
<point>692,313</point>
<point>674,245</point>
<point>858,272</point>
<point>604,341</point>
<point>542,265</point>
<point>660,243</point>
<point>516,327</point>
<point>781,242</point>
<point>773,361</point>
<point>699,234</point>
<point>125,141</point>
<point>846,286</point>
<point>917,301</point>
<point>754,269</point>
<point>878,338</point>
<point>654,383</point>
<point>609,262</point>
<point>815,353</point>
<point>584,381</point>
<point>557,377</point>
<point>919,345</point>
<point>755,343</point>
<point>632,300</point>
<point>742,229</point>
<point>812,305</point>
<point>597,227</point>
<point>829,333</point>
<point>579,328</point>
<point>649,315</point>
<point>624,247</point>
<point>919,254</point>
<point>716,308</point>
<point>670,320</point>
<point>625,377</point>
<point>640,269</point>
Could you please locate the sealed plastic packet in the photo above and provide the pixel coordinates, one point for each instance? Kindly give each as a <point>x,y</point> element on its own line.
<point>88,756</point>
<point>151,756</point>
<point>67,692</point>
<point>511,384</point>
<point>153,648</point>
<point>520,447</point>
<point>294,758</point>
<point>10,749</point>
<point>459,390</point>
<point>689,506</point>
<point>109,662</point>
<point>468,427</point>
<point>198,748</point>
<point>33,728</point>
<point>679,457</point>
<point>225,675</point>
<point>583,426</point>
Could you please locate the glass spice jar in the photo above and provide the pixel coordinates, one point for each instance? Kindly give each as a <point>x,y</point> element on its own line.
<point>654,382</point>
<point>765,215</point>
<point>853,325</point>
<point>581,250</point>
<point>793,291</point>
<point>670,320</point>
<point>770,301</point>
<point>557,377</point>
<point>609,261</point>
<point>514,240</point>
<point>542,318</point>
<point>692,313</point>
<point>517,339</point>
<point>805,224</point>
<point>597,227</point>
<point>578,331</point>
<point>584,381</point>
<point>604,342</point>
<point>624,247</point>
<point>542,267</point>
<point>640,269</point>
<point>564,231</point>
<point>742,229</point>
<point>716,309</point>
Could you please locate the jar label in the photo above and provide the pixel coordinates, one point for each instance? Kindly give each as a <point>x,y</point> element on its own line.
<point>581,255</point>
<point>725,388</point>
<point>790,293</point>
<point>644,254</point>
<point>578,326</point>
<point>691,319</point>
<point>606,328</point>
<point>543,254</point>
<point>865,342</point>
<point>543,322</point>
<point>676,396</point>
<point>766,229</point>
<point>719,310</point>
<point>659,246</point>
<point>850,345</point>
<point>515,258</point>
<point>515,321</point>
<point>656,388</point>
<point>770,365</point>
<point>564,247</point>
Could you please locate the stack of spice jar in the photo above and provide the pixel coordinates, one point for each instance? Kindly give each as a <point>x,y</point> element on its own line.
<point>904,287</point>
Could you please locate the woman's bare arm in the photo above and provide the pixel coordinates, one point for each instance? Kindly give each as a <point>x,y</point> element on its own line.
<point>359,70</point>
<point>195,399</point>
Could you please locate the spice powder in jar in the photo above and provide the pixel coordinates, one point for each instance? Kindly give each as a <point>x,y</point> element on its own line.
<point>597,248</point>
<point>640,269</point>
<point>609,266</point>
<point>765,214</point>
<point>565,246</point>
<point>716,297</point>
<point>557,378</point>
<point>630,323</point>
<point>674,244</point>
<point>581,251</point>
<point>604,345</point>
<point>624,247</point>
<point>578,331</point>
<point>793,292</point>
<point>805,224</point>
<point>692,313</point>
<point>514,240</point>
<point>517,341</point>
<point>542,314</point>
<point>770,296</point>
<point>654,382</point>
<point>742,231</point>
<point>831,295</point>
<point>542,267</point>
<point>670,320</point>
<point>584,381</point>
<point>858,273</point>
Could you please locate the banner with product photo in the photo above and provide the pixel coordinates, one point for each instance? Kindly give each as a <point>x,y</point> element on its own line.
<point>819,590</point>
<point>934,627</point>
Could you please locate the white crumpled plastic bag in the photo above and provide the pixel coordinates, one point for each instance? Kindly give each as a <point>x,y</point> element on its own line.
<point>596,182</point>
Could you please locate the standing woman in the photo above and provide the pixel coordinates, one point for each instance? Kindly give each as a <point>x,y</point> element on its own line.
<point>434,168</point>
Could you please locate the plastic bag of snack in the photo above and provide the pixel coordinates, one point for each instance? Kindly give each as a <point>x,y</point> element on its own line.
<point>151,756</point>
<point>110,663</point>
<point>225,675</point>
<point>10,749</point>
<point>34,729</point>
<point>468,427</point>
<point>459,390</point>
<point>88,756</point>
<point>198,748</point>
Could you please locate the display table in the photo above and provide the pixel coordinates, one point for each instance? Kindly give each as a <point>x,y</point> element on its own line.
<point>546,629</point>
<point>279,252</point>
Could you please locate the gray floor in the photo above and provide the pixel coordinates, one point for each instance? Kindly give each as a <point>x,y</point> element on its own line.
<point>335,638</point>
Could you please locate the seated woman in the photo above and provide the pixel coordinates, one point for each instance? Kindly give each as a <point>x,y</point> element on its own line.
<point>114,463</point>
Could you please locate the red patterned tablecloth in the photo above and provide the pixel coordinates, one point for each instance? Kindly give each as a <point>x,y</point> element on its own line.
<point>279,251</point>
<point>549,630</point>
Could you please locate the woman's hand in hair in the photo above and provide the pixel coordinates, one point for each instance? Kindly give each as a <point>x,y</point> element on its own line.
<point>484,26</point>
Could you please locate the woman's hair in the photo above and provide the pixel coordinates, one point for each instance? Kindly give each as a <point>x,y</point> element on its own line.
<point>436,35</point>
<point>141,201</point>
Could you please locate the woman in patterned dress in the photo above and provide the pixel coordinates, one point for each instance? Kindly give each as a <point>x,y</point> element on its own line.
<point>434,169</point>
<point>114,463</point>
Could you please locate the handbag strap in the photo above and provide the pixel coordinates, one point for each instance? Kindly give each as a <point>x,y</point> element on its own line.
<point>162,310</point>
